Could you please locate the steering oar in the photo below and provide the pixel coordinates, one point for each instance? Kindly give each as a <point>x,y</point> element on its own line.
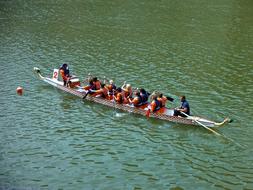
<point>202,124</point>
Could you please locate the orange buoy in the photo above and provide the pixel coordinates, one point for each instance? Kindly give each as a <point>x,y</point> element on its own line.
<point>19,90</point>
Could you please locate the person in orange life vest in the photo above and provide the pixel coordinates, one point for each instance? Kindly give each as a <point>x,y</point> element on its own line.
<point>155,104</point>
<point>90,85</point>
<point>111,87</point>
<point>96,84</point>
<point>119,98</point>
<point>64,71</point>
<point>137,100</point>
<point>102,92</point>
<point>127,89</point>
<point>162,99</point>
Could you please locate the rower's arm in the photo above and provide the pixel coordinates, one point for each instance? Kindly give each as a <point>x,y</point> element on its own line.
<point>183,110</point>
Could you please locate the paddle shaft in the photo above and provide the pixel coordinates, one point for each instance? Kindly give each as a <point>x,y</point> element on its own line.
<point>113,99</point>
<point>86,94</point>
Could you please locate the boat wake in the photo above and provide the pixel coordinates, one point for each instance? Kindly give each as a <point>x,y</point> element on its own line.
<point>119,115</point>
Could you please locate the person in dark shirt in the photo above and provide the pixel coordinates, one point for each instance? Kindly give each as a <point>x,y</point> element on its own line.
<point>64,70</point>
<point>185,108</point>
<point>144,96</point>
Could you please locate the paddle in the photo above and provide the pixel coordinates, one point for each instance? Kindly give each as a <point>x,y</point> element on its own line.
<point>202,124</point>
<point>113,99</point>
<point>238,144</point>
<point>89,91</point>
<point>170,98</point>
<point>85,95</point>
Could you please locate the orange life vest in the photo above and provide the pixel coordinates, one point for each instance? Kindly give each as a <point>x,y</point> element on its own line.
<point>97,85</point>
<point>64,77</point>
<point>105,92</point>
<point>119,98</point>
<point>162,101</point>
<point>155,105</point>
<point>136,101</point>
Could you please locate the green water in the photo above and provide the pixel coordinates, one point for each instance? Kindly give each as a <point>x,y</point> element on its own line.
<point>52,140</point>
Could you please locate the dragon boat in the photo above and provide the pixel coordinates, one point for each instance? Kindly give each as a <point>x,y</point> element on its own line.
<point>164,113</point>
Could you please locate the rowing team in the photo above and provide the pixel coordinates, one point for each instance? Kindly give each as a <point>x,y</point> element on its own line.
<point>126,95</point>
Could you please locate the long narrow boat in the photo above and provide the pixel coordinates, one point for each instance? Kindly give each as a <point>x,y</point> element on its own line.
<point>163,114</point>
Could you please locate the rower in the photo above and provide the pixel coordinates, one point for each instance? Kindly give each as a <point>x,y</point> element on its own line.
<point>90,85</point>
<point>102,92</point>
<point>162,99</point>
<point>64,70</point>
<point>119,98</point>
<point>144,96</point>
<point>127,89</point>
<point>137,100</point>
<point>96,84</point>
<point>185,107</point>
<point>111,87</point>
<point>155,104</point>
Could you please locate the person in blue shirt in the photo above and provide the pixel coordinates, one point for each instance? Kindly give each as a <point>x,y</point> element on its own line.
<point>185,108</point>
